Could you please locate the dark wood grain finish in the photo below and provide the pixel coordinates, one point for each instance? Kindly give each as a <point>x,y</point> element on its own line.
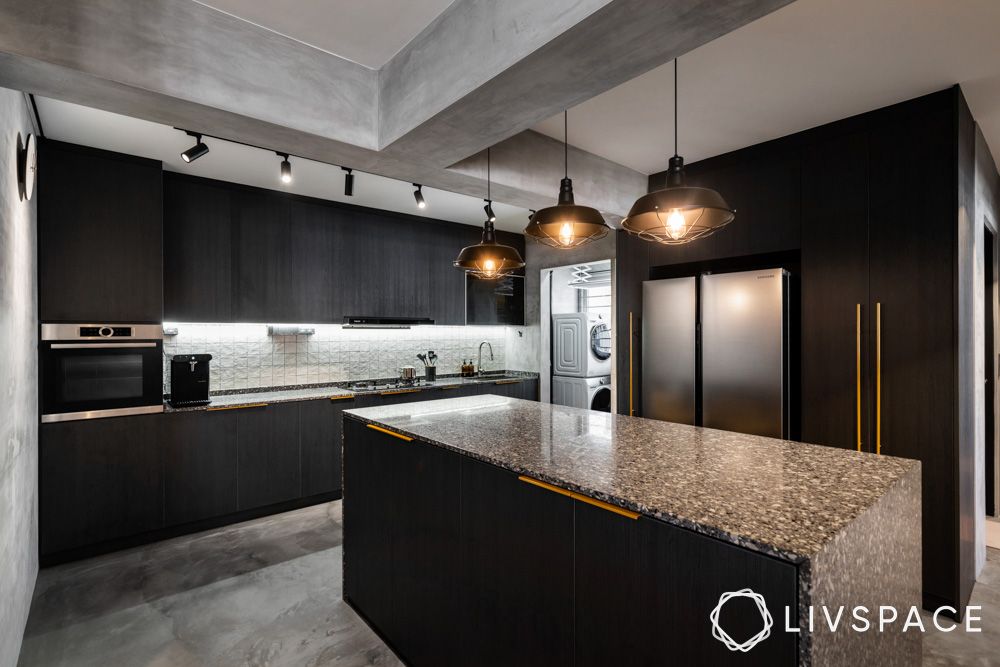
<point>517,556</point>
<point>197,237</point>
<point>98,479</point>
<point>269,461</point>
<point>100,236</point>
<point>321,425</point>
<point>834,284</point>
<point>199,466</point>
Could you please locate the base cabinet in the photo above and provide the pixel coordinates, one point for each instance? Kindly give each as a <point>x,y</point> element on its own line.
<point>199,466</point>
<point>268,466</point>
<point>441,550</point>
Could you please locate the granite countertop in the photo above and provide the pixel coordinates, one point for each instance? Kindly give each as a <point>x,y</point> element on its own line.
<point>244,398</point>
<point>784,498</point>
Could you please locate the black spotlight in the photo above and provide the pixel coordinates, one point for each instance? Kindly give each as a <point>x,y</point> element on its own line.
<point>418,195</point>
<point>286,168</point>
<point>348,182</point>
<point>196,151</point>
<point>490,215</point>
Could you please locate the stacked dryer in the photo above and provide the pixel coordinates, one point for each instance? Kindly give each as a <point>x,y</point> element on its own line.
<point>581,361</point>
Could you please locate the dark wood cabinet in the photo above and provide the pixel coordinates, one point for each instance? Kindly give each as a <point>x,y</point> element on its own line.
<point>682,577</point>
<point>321,425</point>
<point>265,270</point>
<point>100,236</point>
<point>98,480</point>
<point>517,555</point>
<point>199,466</point>
<point>368,521</point>
<point>269,461</point>
<point>197,252</point>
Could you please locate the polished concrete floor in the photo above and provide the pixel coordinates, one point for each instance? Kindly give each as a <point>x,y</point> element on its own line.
<point>268,592</point>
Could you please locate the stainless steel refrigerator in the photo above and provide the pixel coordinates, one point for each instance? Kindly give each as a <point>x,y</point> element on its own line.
<point>715,351</point>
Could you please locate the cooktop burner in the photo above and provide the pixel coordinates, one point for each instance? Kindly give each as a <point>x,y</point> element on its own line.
<point>388,386</point>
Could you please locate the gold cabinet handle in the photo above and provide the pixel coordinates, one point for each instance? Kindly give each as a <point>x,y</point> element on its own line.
<point>343,397</point>
<point>237,407</point>
<point>631,409</point>
<point>506,382</point>
<point>878,378</point>
<point>453,386</point>
<point>857,367</point>
<point>579,496</point>
<point>388,432</point>
<point>398,391</point>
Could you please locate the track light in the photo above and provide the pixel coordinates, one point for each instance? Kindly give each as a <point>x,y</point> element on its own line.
<point>348,182</point>
<point>418,195</point>
<point>196,151</point>
<point>286,168</point>
<point>490,215</point>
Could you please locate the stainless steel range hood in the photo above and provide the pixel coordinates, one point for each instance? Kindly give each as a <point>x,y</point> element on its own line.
<point>365,322</point>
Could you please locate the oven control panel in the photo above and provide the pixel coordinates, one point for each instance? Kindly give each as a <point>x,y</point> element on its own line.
<point>105,331</point>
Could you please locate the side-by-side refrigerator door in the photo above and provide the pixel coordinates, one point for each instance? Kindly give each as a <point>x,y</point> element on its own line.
<point>669,320</point>
<point>744,350</point>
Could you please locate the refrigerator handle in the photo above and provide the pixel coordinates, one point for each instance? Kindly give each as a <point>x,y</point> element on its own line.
<point>857,368</point>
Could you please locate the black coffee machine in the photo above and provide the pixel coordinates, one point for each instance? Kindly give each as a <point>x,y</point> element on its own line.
<point>189,379</point>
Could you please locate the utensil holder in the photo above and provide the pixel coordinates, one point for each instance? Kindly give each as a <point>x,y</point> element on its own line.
<point>430,373</point>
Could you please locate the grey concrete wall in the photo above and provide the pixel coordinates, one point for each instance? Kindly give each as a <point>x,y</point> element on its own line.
<point>19,384</point>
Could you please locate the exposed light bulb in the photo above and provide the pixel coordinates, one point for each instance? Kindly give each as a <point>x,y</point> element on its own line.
<point>676,224</point>
<point>566,233</point>
<point>490,267</point>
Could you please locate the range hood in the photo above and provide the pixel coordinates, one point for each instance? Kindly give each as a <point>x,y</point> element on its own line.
<point>365,322</point>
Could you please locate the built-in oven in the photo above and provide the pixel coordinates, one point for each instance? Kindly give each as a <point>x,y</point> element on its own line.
<point>100,370</point>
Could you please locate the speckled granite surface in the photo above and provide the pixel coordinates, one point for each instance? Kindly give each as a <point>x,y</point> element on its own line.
<point>242,398</point>
<point>784,498</point>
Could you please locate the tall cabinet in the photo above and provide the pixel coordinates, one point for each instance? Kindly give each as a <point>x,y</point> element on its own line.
<point>880,350</point>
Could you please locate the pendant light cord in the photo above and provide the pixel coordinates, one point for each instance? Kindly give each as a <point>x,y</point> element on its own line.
<point>565,143</point>
<point>675,107</point>
<point>488,193</point>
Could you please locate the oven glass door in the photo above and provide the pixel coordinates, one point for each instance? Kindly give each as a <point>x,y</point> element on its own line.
<point>86,377</point>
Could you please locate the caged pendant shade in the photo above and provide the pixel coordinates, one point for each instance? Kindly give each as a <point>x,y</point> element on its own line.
<point>566,225</point>
<point>678,213</point>
<point>489,260</point>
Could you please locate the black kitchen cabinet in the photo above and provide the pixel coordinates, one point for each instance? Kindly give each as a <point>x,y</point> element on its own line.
<point>426,554</point>
<point>100,236</point>
<point>526,389</point>
<point>608,619</point>
<point>197,252</point>
<point>368,520</point>
<point>321,425</point>
<point>495,301</point>
<point>836,315</point>
<point>517,555</point>
<point>682,577</point>
<point>265,270</point>
<point>99,480</point>
<point>199,465</point>
<point>269,460</point>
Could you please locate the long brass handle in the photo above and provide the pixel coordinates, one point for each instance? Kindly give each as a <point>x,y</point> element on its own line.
<point>878,378</point>
<point>506,382</point>
<point>579,496</point>
<point>388,432</point>
<point>398,391</point>
<point>342,397</point>
<point>857,367</point>
<point>237,407</point>
<point>631,409</point>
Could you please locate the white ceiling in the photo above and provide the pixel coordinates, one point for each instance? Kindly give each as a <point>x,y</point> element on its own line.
<point>251,166</point>
<point>809,63</point>
<point>368,33</point>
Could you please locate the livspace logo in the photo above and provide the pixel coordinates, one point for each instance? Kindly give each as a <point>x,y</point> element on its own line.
<point>886,620</point>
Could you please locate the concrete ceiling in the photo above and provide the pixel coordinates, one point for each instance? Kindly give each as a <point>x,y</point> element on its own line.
<point>368,33</point>
<point>251,166</point>
<point>806,64</point>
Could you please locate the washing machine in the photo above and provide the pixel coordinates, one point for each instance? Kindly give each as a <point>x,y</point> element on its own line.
<point>586,393</point>
<point>581,346</point>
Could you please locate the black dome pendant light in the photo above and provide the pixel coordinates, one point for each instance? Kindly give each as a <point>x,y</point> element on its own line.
<point>489,260</point>
<point>566,225</point>
<point>678,213</point>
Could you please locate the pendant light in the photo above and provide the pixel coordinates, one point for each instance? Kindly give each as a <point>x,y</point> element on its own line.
<point>566,225</point>
<point>678,213</point>
<point>489,260</point>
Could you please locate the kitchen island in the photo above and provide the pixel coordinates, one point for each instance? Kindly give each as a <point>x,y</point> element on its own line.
<point>494,531</point>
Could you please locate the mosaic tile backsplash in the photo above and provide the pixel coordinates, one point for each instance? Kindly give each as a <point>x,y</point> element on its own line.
<point>244,356</point>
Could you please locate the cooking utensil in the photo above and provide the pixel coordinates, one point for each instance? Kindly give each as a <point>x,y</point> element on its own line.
<point>423,358</point>
<point>433,357</point>
<point>407,373</point>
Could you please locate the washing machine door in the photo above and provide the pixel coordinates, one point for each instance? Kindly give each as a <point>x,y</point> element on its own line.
<point>601,400</point>
<point>600,341</point>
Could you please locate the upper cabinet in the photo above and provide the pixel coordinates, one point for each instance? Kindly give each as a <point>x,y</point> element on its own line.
<point>100,236</point>
<point>241,254</point>
<point>495,301</point>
